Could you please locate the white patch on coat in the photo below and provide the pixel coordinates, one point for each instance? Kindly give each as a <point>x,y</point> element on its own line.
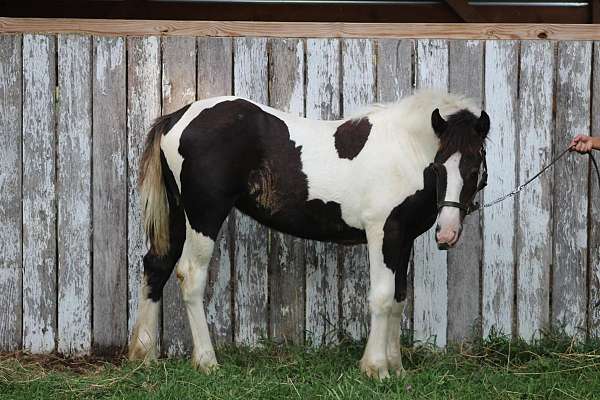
<point>192,273</point>
<point>449,218</point>
<point>381,300</point>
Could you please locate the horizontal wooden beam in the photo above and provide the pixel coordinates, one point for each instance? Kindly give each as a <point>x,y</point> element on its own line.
<point>301,29</point>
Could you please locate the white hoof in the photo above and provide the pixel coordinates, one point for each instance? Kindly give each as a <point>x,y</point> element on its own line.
<point>142,346</point>
<point>205,362</point>
<point>394,359</point>
<point>376,369</point>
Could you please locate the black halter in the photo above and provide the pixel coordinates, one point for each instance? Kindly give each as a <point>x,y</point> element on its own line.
<point>471,206</point>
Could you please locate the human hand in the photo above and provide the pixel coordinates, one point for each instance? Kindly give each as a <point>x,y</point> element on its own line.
<point>582,144</point>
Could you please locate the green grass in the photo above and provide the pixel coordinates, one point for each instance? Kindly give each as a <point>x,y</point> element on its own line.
<point>553,368</point>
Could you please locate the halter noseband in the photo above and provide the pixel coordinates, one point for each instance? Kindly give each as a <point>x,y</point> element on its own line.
<point>471,206</point>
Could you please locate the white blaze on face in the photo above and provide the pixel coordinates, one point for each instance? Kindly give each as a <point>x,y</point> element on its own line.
<point>449,224</point>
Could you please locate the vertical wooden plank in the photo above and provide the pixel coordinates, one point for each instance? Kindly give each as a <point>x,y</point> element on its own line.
<point>499,221</point>
<point>143,106</point>
<point>10,202</point>
<point>534,249</point>
<point>286,255</point>
<point>109,178</point>
<point>569,286</point>
<point>394,69</point>
<point>215,70</point>
<point>358,84</point>
<point>464,261</point>
<point>39,206</point>
<point>250,78</point>
<point>322,280</point>
<point>594,217</point>
<point>430,276</point>
<point>178,89</point>
<point>74,194</point>
<point>395,81</point>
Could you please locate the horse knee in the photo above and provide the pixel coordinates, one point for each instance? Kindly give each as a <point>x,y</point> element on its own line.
<point>192,279</point>
<point>192,269</point>
<point>381,299</point>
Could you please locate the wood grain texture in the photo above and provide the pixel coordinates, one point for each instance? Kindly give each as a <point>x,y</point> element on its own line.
<point>287,253</point>
<point>569,286</point>
<point>215,69</point>
<point>464,261</point>
<point>501,72</point>
<point>358,90</point>
<point>143,106</point>
<point>302,29</point>
<point>323,74</point>
<point>394,81</point>
<point>250,76</point>
<point>430,272</point>
<point>39,191</point>
<point>534,249</point>
<point>74,158</point>
<point>178,89</point>
<point>11,85</point>
<point>109,179</point>
<point>594,217</point>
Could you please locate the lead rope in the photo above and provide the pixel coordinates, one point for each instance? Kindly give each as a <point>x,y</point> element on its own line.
<point>522,186</point>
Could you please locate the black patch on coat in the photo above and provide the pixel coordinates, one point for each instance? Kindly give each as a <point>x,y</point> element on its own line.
<point>415,215</point>
<point>236,154</point>
<point>158,269</point>
<point>351,136</point>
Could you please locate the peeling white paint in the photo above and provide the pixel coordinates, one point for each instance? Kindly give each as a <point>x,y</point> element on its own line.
<point>499,221</point>
<point>39,218</point>
<point>571,188</point>
<point>74,196</point>
<point>534,246</point>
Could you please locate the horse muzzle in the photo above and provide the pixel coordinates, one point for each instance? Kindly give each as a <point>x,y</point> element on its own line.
<point>447,238</point>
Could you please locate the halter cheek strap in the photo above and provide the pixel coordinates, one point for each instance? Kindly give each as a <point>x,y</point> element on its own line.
<point>471,206</point>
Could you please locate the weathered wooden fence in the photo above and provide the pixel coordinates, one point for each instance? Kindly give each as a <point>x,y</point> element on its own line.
<point>74,111</point>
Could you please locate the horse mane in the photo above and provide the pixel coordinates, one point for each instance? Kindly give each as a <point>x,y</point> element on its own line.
<point>413,115</point>
<point>420,100</point>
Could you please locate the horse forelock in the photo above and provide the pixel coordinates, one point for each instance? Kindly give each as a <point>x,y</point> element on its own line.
<point>461,135</point>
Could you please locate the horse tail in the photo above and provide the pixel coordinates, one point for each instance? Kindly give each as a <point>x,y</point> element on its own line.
<point>153,190</point>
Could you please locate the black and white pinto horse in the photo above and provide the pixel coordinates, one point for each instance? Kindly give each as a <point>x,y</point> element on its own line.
<point>381,178</point>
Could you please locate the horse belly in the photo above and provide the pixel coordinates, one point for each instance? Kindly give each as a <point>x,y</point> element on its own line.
<point>312,219</point>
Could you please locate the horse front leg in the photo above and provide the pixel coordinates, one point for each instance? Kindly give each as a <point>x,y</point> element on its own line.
<point>374,362</point>
<point>393,349</point>
<point>396,250</point>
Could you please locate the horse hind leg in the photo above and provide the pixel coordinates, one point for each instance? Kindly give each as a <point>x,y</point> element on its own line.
<point>192,272</point>
<point>157,270</point>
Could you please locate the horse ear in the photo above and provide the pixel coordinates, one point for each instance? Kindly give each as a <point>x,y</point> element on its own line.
<point>483,124</point>
<point>438,123</point>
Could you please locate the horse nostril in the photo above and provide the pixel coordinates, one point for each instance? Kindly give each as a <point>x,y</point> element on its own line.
<point>438,229</point>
